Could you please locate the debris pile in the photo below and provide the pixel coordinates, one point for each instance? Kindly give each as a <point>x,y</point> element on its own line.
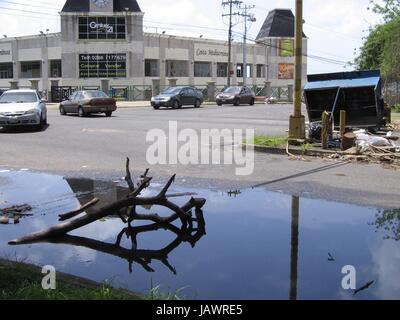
<point>14,213</point>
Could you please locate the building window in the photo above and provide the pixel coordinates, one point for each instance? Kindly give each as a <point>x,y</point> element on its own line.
<point>151,68</point>
<point>202,69</point>
<point>31,69</point>
<point>260,71</point>
<point>105,65</point>
<point>222,70</point>
<point>249,71</point>
<point>176,68</point>
<point>6,70</point>
<point>239,70</point>
<point>55,69</point>
<point>102,28</point>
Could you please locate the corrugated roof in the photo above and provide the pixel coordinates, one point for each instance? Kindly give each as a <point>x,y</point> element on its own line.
<point>347,83</point>
<point>280,23</point>
<point>351,79</point>
<point>84,6</point>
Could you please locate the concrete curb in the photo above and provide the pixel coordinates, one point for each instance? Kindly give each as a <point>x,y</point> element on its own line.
<point>293,150</point>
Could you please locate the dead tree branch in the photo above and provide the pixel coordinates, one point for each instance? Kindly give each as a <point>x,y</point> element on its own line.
<point>128,204</point>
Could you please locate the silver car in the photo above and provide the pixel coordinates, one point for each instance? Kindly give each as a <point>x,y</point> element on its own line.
<point>22,107</point>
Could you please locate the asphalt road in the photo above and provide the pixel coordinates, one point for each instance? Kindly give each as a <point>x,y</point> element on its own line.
<point>97,147</point>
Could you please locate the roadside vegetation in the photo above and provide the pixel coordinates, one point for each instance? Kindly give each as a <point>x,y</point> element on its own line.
<point>19,281</point>
<point>270,141</point>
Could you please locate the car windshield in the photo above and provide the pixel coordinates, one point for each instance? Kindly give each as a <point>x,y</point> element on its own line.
<point>18,97</point>
<point>172,90</point>
<point>232,90</point>
<point>96,94</point>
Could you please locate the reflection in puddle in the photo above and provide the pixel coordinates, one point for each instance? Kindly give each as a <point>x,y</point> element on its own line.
<point>259,245</point>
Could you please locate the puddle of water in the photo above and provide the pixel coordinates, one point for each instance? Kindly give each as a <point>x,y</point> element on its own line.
<point>259,245</point>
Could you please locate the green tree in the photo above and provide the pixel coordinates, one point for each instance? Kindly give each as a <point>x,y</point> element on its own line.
<point>390,9</point>
<point>381,48</point>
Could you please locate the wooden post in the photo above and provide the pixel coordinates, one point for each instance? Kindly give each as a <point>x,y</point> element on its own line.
<point>342,125</point>
<point>325,130</point>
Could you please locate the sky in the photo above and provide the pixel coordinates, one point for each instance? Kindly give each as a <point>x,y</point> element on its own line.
<point>334,28</point>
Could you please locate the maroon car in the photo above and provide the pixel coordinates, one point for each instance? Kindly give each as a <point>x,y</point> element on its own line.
<point>88,102</point>
<point>236,96</point>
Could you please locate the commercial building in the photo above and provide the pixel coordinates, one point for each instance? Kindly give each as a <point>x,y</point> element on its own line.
<point>102,45</point>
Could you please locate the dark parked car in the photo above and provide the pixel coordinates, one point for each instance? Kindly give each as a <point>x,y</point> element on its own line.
<point>236,96</point>
<point>176,97</point>
<point>88,102</point>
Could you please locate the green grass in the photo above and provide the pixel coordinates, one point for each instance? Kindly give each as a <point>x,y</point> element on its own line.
<point>270,141</point>
<point>19,281</point>
<point>396,109</point>
<point>305,147</point>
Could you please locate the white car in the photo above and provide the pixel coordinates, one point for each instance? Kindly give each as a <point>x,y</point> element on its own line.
<point>22,107</point>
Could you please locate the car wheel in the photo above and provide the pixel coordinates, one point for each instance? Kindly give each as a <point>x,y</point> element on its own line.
<point>197,104</point>
<point>176,105</point>
<point>219,104</point>
<point>237,102</point>
<point>43,121</point>
<point>156,108</point>
<point>252,102</point>
<point>62,111</point>
<point>108,114</point>
<point>81,113</point>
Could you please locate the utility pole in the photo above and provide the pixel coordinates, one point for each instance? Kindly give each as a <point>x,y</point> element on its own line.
<point>297,120</point>
<point>230,3</point>
<point>247,17</point>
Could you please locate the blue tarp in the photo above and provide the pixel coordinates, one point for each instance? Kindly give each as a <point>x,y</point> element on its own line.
<point>343,83</point>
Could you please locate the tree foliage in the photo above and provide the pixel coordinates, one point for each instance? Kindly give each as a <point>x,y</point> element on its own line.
<point>390,9</point>
<point>381,49</point>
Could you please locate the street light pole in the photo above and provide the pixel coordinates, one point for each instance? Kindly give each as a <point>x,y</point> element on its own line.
<point>297,120</point>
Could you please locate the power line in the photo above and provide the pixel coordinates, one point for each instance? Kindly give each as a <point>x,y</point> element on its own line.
<point>54,16</point>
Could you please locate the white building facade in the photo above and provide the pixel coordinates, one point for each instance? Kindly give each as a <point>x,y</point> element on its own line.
<point>102,45</point>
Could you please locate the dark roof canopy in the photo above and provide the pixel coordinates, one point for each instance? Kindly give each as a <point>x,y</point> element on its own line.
<point>84,6</point>
<point>279,23</point>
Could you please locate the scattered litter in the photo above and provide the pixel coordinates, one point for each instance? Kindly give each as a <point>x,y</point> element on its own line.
<point>14,213</point>
<point>4,220</point>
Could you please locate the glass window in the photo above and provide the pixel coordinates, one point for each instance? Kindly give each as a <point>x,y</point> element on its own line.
<point>31,69</point>
<point>95,94</point>
<point>249,71</point>
<point>18,97</point>
<point>222,70</point>
<point>151,68</point>
<point>55,69</point>
<point>176,68</point>
<point>102,28</point>
<point>6,70</point>
<point>202,69</point>
<point>260,71</point>
<point>239,70</point>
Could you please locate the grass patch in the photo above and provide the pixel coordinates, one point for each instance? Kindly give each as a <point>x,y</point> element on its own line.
<point>270,141</point>
<point>19,281</point>
<point>396,108</point>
